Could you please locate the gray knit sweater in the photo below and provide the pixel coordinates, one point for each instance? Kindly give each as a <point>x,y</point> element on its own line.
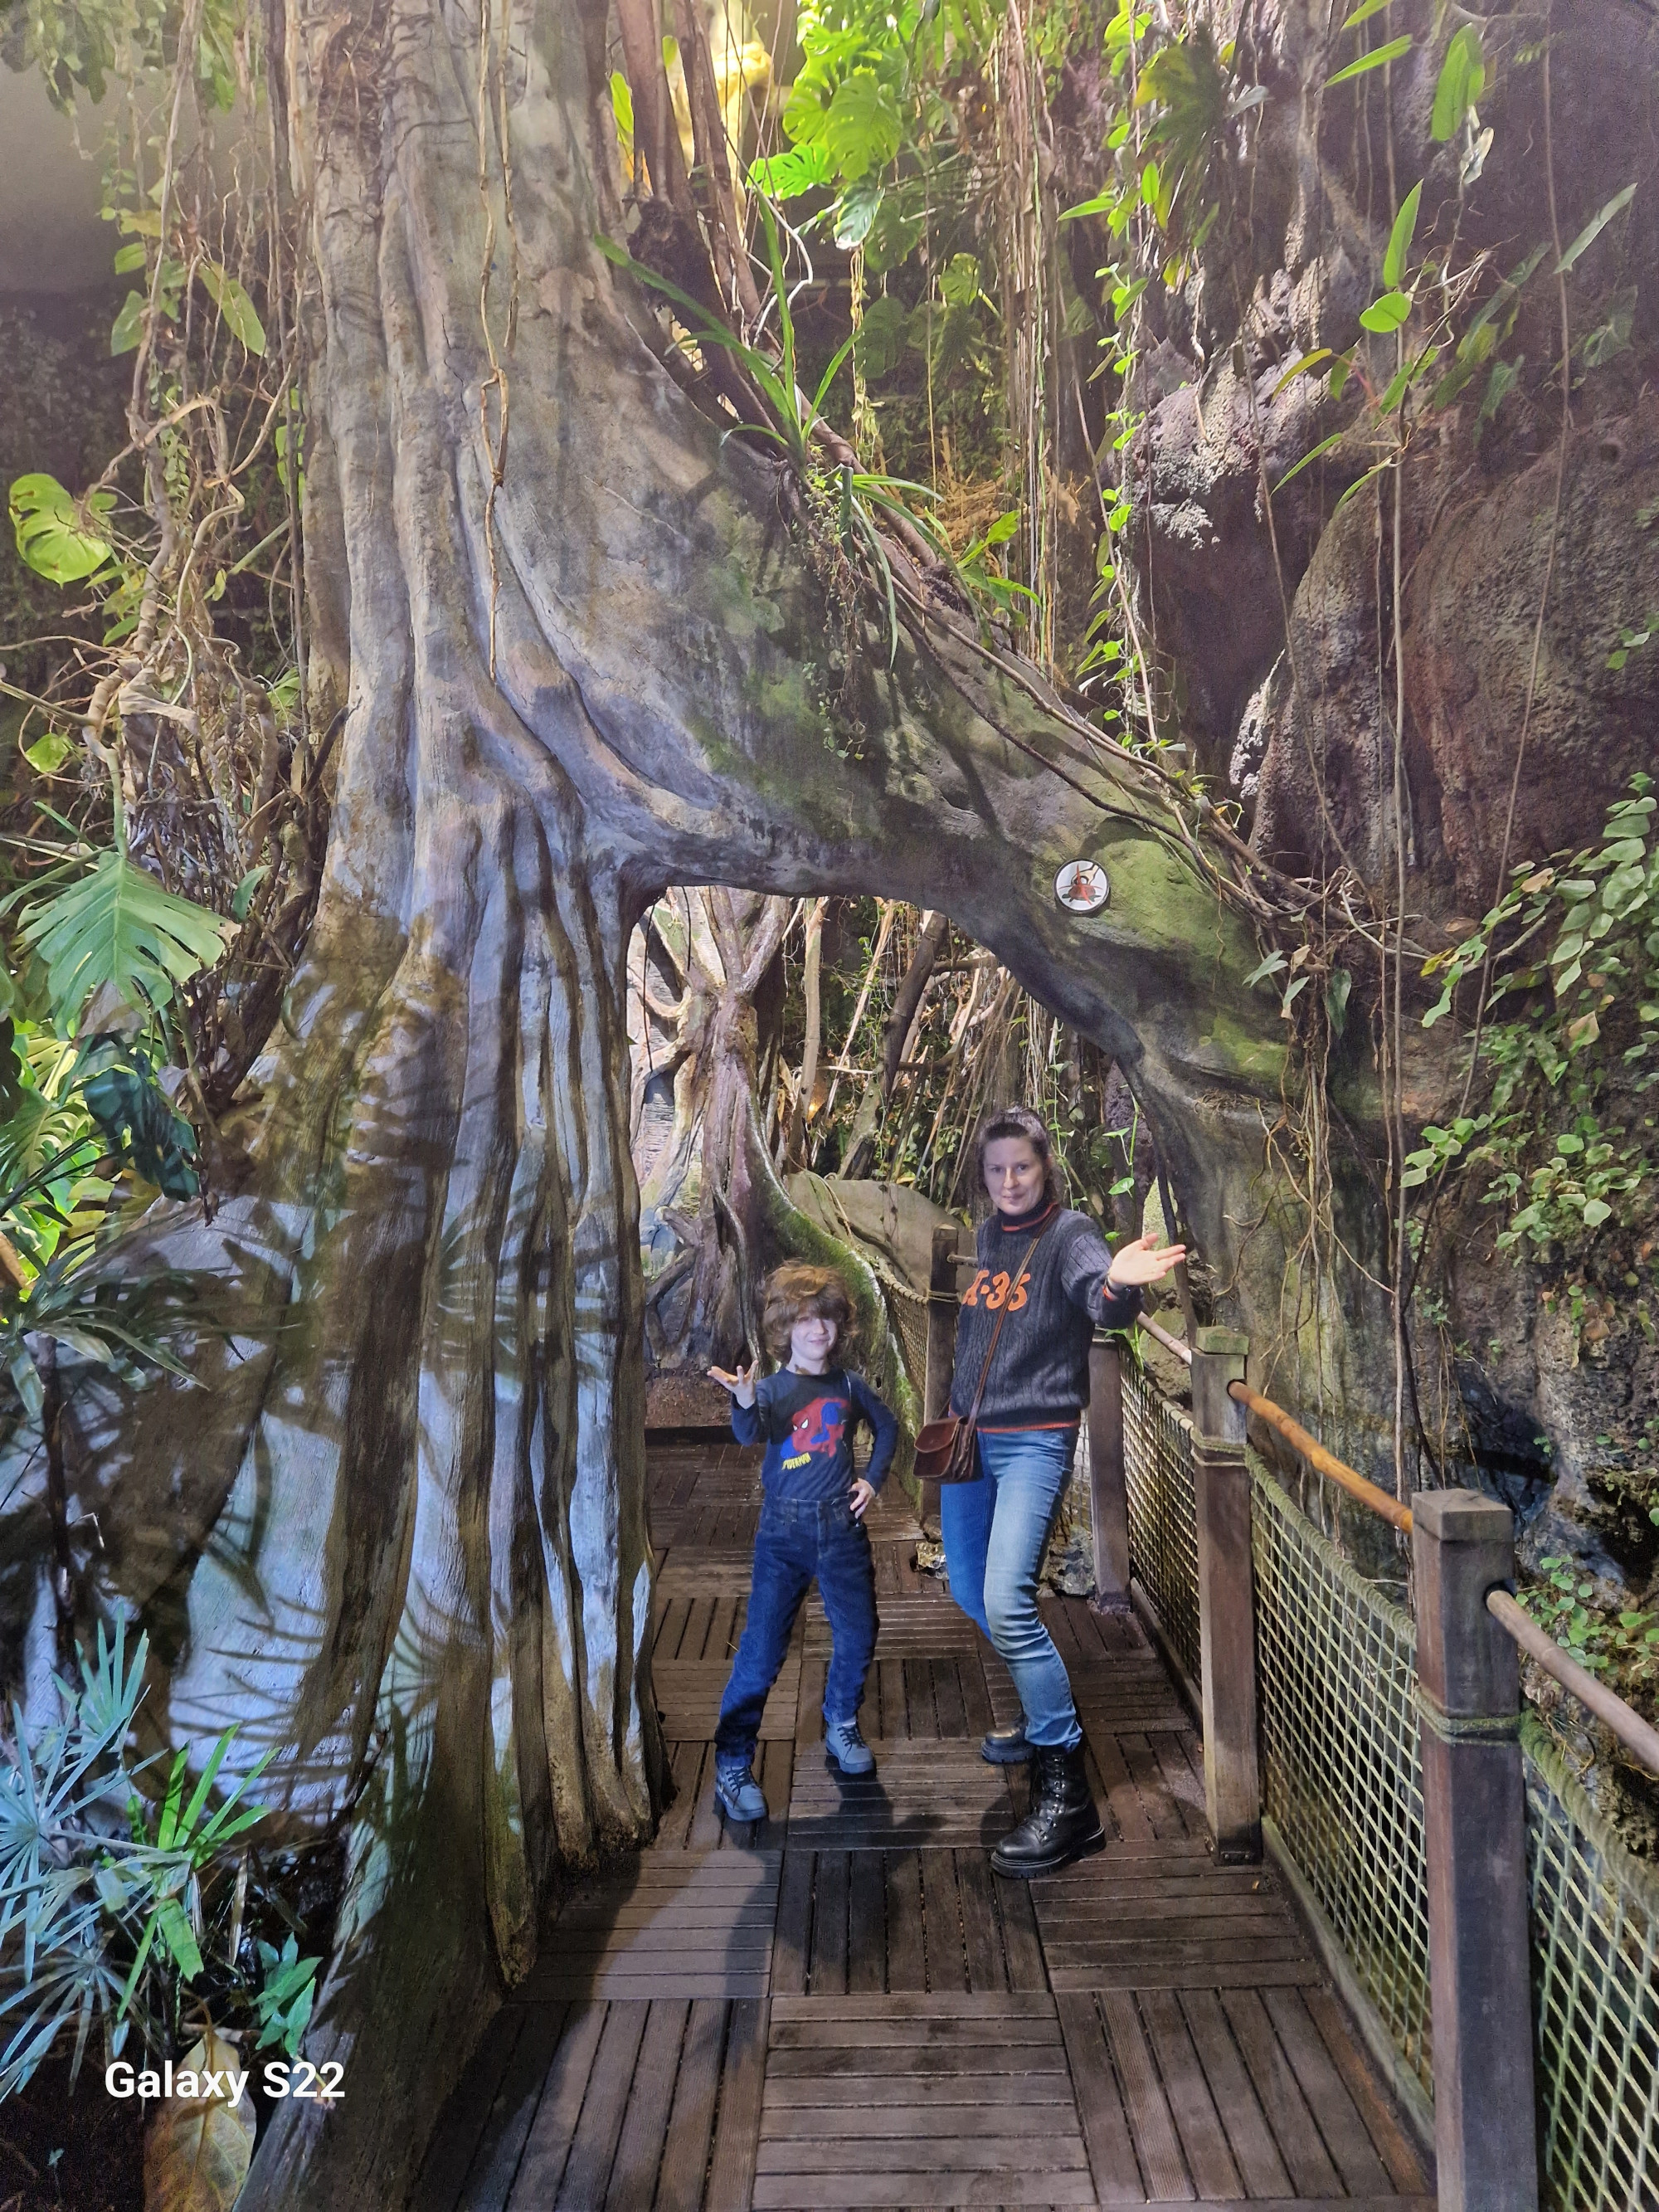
<point>1040,1378</point>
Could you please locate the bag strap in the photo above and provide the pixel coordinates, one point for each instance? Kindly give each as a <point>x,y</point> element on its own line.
<point>1002,1316</point>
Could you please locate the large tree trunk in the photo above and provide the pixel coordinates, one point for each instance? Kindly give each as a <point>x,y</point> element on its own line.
<point>701,1295</point>
<point>404,1533</point>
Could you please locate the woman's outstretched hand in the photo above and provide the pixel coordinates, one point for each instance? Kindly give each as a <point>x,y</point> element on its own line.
<point>1143,1261</point>
<point>741,1385</point>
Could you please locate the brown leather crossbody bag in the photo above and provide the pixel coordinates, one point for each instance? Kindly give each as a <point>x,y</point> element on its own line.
<point>947,1449</point>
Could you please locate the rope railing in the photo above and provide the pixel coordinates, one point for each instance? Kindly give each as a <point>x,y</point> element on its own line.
<point>1170,1343</point>
<point>1346,1477</point>
<point>1361,1734</point>
<point>1638,1736</point>
<point>1417,1807</point>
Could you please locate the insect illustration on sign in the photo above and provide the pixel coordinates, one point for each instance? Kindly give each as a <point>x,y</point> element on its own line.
<point>1081,887</point>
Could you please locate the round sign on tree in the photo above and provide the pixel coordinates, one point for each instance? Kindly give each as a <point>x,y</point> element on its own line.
<point>1081,887</point>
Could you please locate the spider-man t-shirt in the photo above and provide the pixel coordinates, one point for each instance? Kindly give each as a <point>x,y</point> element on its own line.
<point>806,1423</point>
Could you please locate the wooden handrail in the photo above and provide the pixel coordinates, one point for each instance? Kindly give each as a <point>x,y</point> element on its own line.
<point>1346,1477</point>
<point>1170,1343</point>
<point>1327,1463</point>
<point>1636,1735</point>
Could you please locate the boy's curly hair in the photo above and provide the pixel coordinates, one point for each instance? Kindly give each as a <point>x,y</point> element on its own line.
<point>798,1289</point>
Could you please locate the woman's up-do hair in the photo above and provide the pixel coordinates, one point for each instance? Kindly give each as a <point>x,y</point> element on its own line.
<point>796,1289</point>
<point>1018,1121</point>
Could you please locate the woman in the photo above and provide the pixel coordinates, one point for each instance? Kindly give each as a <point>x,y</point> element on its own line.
<point>1050,1277</point>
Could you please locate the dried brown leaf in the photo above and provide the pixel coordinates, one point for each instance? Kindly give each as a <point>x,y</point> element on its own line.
<point>197,2150</point>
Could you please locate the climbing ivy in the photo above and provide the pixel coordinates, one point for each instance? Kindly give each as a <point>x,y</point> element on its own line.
<point>1566,1146</point>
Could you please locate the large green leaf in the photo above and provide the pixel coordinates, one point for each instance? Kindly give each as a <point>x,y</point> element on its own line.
<point>53,536</point>
<point>119,926</point>
<point>1399,238</point>
<point>1387,313</point>
<point>881,336</point>
<point>235,305</point>
<point>786,176</point>
<point>131,1110</point>
<point>129,325</point>
<point>862,125</point>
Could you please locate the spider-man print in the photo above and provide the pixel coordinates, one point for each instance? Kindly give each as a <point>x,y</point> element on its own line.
<point>819,1425</point>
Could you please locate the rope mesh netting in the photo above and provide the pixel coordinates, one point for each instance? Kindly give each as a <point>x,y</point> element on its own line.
<point>1334,1667</point>
<point>1596,1994</point>
<point>908,1314</point>
<point>1158,1465</point>
<point>1341,1783</point>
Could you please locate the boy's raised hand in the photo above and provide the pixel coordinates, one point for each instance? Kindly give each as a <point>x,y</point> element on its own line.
<point>1143,1261</point>
<point>741,1385</point>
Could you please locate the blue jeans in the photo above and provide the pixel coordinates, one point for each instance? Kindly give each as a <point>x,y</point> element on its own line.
<point>995,1533</point>
<point>797,1538</point>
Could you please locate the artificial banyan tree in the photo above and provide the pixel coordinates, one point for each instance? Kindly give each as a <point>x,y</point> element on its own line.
<point>596,630</point>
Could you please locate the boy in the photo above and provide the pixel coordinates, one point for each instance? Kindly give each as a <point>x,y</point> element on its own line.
<point>811,1523</point>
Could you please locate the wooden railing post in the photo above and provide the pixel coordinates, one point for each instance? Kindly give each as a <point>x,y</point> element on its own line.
<point>1108,1496</point>
<point>1475,1838</point>
<point>1226,1598</point>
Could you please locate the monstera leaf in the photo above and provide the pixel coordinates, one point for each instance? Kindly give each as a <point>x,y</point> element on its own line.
<point>53,536</point>
<point>118,927</point>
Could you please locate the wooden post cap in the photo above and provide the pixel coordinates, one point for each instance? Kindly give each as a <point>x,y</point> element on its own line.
<point>1225,1341</point>
<point>1219,1356</point>
<point>1462,1516</point>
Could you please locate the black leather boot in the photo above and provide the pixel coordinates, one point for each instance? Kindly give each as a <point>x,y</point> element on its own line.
<point>1062,1824</point>
<point>1007,1747</point>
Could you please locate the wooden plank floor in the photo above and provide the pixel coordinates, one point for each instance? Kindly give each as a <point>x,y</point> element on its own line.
<point>847,2008</point>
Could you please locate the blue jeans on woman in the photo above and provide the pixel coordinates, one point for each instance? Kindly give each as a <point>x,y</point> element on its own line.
<point>797,1538</point>
<point>995,1532</point>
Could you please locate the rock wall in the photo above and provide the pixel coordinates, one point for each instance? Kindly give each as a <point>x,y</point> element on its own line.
<point>1274,618</point>
<point>1295,257</point>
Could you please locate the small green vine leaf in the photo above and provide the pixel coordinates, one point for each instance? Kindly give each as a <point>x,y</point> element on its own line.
<point>1300,368</point>
<point>1462,81</point>
<point>1593,229</point>
<point>1387,313</point>
<point>1323,447</point>
<point>1399,238</point>
<point>1376,59</point>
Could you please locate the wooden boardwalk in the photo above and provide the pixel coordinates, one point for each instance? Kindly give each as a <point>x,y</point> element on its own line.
<point>847,2008</point>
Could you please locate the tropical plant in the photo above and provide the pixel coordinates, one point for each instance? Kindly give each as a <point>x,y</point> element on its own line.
<point>1622,1644</point>
<point>100,1897</point>
<point>285,1998</point>
<point>864,84</point>
<point>116,929</point>
<point>1571,950</point>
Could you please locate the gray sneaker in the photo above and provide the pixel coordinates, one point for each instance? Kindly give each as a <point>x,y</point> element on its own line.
<point>846,1748</point>
<point>735,1791</point>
